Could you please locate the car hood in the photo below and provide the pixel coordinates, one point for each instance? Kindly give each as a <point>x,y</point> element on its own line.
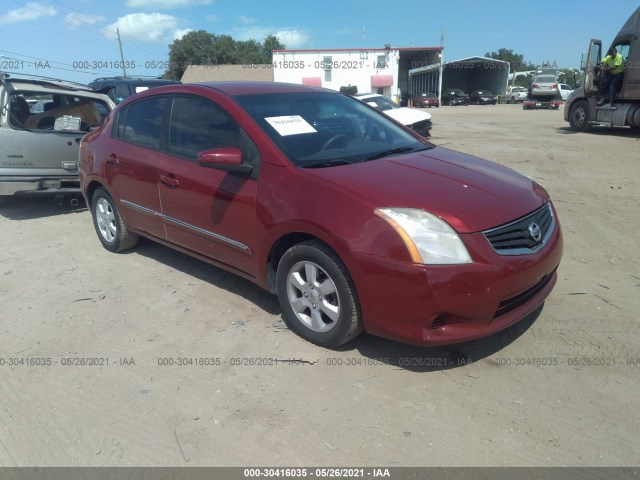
<point>407,116</point>
<point>469,193</point>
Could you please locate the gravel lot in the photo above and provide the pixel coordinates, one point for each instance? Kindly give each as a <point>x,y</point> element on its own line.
<point>559,389</point>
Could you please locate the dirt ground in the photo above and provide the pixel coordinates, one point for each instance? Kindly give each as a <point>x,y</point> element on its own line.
<point>561,388</point>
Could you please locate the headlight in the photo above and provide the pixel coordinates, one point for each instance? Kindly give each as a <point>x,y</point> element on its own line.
<point>429,239</point>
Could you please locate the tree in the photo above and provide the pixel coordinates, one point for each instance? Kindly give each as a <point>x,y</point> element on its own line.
<point>270,44</point>
<point>249,52</point>
<point>194,48</point>
<point>204,48</point>
<point>516,60</point>
<point>516,64</point>
<point>570,76</point>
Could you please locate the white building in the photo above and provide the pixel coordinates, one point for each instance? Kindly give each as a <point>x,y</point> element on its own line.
<point>377,70</point>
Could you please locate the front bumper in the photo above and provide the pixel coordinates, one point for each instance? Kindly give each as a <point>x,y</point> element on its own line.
<point>438,305</point>
<point>30,186</point>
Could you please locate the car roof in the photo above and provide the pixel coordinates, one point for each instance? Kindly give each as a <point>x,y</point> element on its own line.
<point>51,86</point>
<point>545,78</point>
<point>245,88</point>
<point>134,80</point>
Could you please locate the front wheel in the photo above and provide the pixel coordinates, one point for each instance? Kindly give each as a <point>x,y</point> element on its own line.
<point>111,230</point>
<point>317,296</point>
<point>579,116</point>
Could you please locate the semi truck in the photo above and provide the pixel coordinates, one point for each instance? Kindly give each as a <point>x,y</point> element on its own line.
<point>582,111</point>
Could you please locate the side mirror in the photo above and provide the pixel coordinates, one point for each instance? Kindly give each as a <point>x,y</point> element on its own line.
<point>225,158</point>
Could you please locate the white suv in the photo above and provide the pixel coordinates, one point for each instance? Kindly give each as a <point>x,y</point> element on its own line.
<point>417,120</point>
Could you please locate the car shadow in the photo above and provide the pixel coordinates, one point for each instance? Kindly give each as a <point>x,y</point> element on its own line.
<point>376,349</point>
<point>622,132</point>
<point>431,359</point>
<point>29,208</point>
<point>208,273</point>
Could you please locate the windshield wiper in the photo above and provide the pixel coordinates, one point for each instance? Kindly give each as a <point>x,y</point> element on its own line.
<point>329,163</point>
<point>393,151</point>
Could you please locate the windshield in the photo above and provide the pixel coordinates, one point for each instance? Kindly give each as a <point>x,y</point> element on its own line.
<point>381,103</point>
<point>321,129</point>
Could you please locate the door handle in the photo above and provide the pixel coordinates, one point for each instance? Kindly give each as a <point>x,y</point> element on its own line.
<point>113,160</point>
<point>169,181</point>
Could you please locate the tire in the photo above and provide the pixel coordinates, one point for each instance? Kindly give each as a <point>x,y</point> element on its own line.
<point>317,296</point>
<point>579,116</point>
<point>111,230</point>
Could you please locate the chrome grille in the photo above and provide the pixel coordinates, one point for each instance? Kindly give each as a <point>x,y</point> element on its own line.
<point>523,236</point>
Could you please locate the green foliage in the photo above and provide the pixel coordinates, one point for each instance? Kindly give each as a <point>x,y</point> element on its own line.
<point>516,60</point>
<point>270,44</point>
<point>570,76</point>
<point>204,48</point>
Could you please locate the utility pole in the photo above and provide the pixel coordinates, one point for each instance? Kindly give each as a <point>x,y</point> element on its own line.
<point>124,72</point>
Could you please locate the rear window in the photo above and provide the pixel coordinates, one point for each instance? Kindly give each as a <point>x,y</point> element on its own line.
<point>54,112</point>
<point>545,79</point>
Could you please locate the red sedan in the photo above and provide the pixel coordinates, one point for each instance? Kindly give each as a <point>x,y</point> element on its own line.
<point>354,221</point>
<point>428,99</point>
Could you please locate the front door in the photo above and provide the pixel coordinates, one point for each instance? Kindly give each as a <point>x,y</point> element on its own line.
<point>208,211</point>
<point>592,61</point>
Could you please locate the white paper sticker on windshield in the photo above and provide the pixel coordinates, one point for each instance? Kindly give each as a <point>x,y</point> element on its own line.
<point>141,89</point>
<point>290,125</point>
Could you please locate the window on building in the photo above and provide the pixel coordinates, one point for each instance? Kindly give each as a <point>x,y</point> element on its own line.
<point>328,64</point>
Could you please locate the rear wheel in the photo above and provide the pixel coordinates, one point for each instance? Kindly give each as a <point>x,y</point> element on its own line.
<point>317,296</point>
<point>579,116</point>
<point>111,230</point>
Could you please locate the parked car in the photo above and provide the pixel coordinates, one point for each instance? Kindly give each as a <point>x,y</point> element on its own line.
<point>41,124</point>
<point>354,221</point>
<point>513,95</point>
<point>427,99</point>
<point>565,90</point>
<point>416,120</point>
<point>543,87</point>
<point>483,97</point>
<point>119,88</point>
<point>454,96</point>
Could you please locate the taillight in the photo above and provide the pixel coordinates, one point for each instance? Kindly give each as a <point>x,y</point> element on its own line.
<point>535,86</point>
<point>554,86</point>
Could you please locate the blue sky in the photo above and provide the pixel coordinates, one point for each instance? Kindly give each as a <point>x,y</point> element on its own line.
<point>75,39</point>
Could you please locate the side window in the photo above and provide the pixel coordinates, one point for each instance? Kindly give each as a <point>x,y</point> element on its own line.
<point>143,123</point>
<point>623,49</point>
<point>119,124</point>
<point>19,111</point>
<point>197,125</point>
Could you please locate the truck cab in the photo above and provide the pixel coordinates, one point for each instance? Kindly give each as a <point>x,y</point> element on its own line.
<point>581,109</point>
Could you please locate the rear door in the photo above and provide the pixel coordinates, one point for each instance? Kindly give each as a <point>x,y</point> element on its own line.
<point>131,161</point>
<point>34,144</point>
<point>208,211</point>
